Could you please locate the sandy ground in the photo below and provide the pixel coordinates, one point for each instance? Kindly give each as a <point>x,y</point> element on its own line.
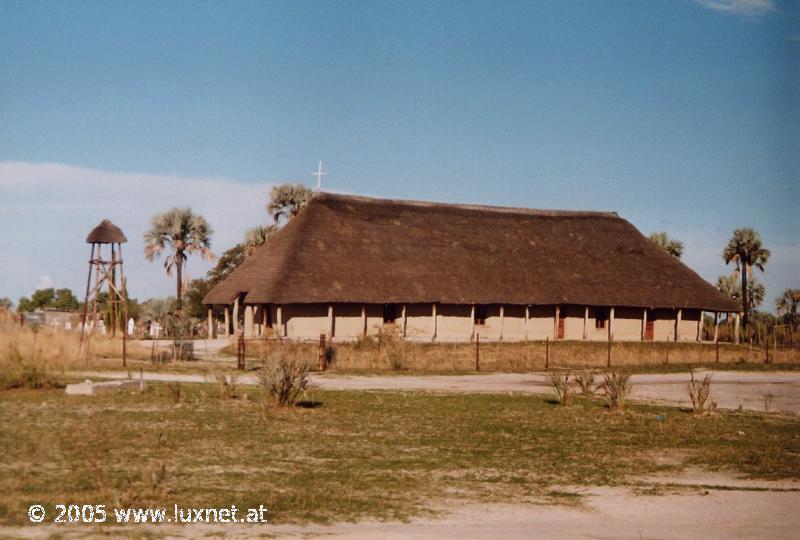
<point>695,505</point>
<point>730,389</point>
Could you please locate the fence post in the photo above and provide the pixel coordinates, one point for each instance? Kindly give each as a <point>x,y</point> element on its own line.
<point>240,352</point>
<point>477,352</point>
<point>766,350</point>
<point>546,352</point>
<point>666,361</point>
<point>321,353</point>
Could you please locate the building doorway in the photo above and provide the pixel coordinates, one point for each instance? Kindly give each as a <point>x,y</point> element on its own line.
<point>649,327</point>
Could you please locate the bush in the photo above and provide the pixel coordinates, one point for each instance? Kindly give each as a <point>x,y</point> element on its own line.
<point>284,378</point>
<point>228,385</point>
<point>617,388</point>
<point>585,381</point>
<point>563,387</point>
<point>699,392</point>
<point>18,371</point>
<point>392,347</point>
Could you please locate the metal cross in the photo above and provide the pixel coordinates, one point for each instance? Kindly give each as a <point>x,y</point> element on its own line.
<point>319,174</point>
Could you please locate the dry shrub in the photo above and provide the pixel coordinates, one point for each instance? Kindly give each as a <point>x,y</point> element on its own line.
<point>768,397</point>
<point>699,393</point>
<point>563,388</point>
<point>228,385</point>
<point>22,367</point>
<point>175,390</point>
<point>585,381</point>
<point>392,347</point>
<point>616,387</point>
<point>284,377</point>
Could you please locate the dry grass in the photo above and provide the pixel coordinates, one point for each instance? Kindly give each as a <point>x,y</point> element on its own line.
<point>385,353</point>
<point>356,455</point>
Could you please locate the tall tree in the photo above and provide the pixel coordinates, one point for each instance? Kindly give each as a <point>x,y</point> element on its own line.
<point>286,200</point>
<point>255,236</point>
<point>731,286</point>
<point>183,233</point>
<point>6,303</point>
<point>788,304</point>
<point>670,245</point>
<point>747,252</point>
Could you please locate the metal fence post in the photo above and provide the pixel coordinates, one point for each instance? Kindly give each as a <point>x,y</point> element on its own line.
<point>477,352</point>
<point>240,353</point>
<point>321,353</point>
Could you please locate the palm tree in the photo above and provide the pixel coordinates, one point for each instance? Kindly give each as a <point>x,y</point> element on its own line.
<point>670,245</point>
<point>287,200</point>
<point>182,231</point>
<point>788,304</point>
<point>256,236</point>
<point>745,249</point>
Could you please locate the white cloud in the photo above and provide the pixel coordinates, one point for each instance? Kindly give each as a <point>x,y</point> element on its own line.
<point>45,282</point>
<point>47,209</point>
<point>748,8</point>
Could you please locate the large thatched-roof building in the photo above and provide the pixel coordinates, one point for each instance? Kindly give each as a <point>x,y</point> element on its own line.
<point>345,266</point>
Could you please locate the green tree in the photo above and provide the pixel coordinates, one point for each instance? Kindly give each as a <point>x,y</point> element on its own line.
<point>286,200</point>
<point>183,233</point>
<point>730,286</point>
<point>747,252</point>
<point>256,236</point>
<point>195,293</point>
<point>6,303</point>
<point>788,304</point>
<point>670,245</point>
<point>64,301</point>
<point>158,309</point>
<point>40,299</point>
<point>227,263</point>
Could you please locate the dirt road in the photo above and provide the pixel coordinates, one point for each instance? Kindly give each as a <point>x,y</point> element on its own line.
<point>730,389</point>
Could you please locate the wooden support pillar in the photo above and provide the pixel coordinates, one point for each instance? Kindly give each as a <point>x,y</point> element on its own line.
<point>472,316</point>
<point>644,324</point>
<point>249,321</point>
<point>435,322</point>
<point>264,319</point>
<point>236,316</point>
<point>279,316</point>
<point>678,317</point>
<point>611,324</point>
<point>556,321</point>
<point>502,320</point>
<point>700,327</point>
<point>227,321</point>
<point>330,322</point>
<point>736,328</point>
<point>405,320</point>
<point>585,321</point>
<point>364,319</point>
<point>716,326</point>
<point>527,319</point>
<point>210,323</point>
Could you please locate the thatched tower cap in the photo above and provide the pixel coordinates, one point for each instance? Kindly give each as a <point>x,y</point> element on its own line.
<point>106,233</point>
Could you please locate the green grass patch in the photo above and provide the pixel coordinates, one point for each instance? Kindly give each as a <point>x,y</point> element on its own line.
<point>355,455</point>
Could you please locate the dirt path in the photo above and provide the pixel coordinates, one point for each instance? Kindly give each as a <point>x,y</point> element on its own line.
<point>730,389</point>
<point>692,505</point>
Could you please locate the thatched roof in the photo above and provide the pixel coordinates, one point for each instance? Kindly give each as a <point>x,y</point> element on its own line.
<point>106,233</point>
<point>357,249</point>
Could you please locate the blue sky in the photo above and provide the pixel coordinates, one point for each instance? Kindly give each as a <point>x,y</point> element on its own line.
<point>681,115</point>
